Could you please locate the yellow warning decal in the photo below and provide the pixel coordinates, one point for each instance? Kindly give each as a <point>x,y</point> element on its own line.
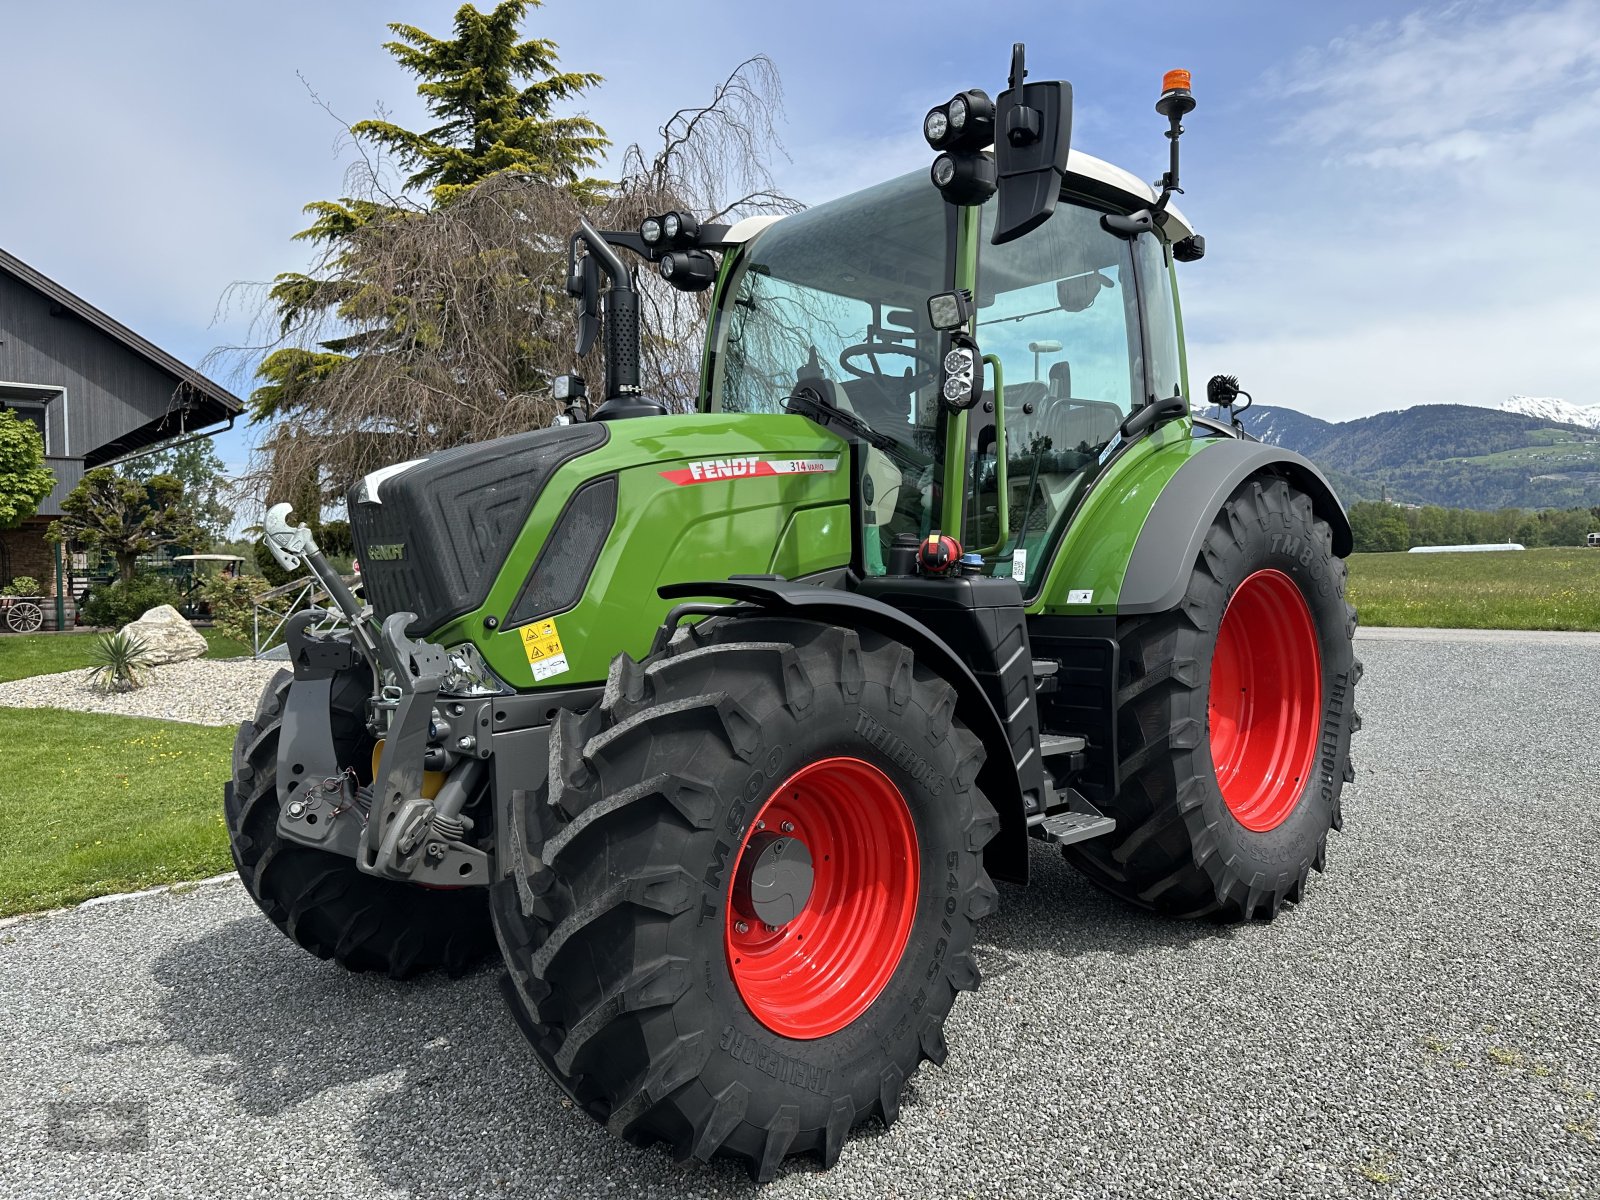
<point>543,646</point>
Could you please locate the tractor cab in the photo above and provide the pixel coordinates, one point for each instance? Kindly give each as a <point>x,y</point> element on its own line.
<point>1078,326</point>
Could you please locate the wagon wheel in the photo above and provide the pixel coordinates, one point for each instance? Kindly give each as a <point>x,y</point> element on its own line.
<point>24,616</point>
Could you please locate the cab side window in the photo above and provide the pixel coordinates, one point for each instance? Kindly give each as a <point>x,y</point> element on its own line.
<point>1059,307</point>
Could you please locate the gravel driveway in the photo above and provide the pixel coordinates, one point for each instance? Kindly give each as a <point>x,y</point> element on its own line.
<point>1427,1024</point>
<point>204,691</point>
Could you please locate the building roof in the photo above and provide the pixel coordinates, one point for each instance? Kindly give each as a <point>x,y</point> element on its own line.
<point>208,402</point>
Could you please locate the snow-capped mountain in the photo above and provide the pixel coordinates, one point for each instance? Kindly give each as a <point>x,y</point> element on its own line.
<point>1550,408</point>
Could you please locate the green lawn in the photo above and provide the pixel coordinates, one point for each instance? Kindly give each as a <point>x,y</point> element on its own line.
<point>47,653</point>
<point>1514,589</point>
<point>96,804</point>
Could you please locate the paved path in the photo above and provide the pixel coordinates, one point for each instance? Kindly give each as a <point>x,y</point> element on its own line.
<point>1427,1024</point>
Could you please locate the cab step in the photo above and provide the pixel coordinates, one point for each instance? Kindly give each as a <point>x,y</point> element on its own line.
<point>1065,828</point>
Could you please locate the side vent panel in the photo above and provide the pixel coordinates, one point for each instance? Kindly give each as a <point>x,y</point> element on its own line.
<point>561,572</point>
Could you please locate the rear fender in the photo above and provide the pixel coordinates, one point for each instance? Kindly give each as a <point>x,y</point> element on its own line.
<point>1169,540</point>
<point>1006,856</point>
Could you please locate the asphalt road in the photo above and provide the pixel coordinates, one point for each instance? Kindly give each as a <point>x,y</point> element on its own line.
<point>1426,1024</point>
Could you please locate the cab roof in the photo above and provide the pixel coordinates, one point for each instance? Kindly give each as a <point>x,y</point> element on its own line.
<point>1087,176</point>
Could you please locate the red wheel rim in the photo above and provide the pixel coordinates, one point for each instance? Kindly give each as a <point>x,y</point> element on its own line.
<point>821,970</point>
<point>1266,700</point>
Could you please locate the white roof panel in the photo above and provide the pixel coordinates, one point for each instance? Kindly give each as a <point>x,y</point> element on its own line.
<point>1080,166</point>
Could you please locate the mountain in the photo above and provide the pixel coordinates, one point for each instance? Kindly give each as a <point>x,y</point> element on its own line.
<point>1549,408</point>
<point>1450,454</point>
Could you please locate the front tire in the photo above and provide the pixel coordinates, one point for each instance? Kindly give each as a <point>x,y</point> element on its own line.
<point>1234,718</point>
<point>647,962</point>
<point>323,902</point>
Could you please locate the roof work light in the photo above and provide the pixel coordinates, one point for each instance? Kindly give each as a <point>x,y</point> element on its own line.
<point>961,128</point>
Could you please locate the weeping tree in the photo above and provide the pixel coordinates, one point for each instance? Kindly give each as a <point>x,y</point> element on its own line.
<point>437,317</point>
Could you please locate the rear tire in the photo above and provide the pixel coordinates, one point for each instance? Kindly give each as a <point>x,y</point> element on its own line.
<point>1186,844</point>
<point>620,923</point>
<point>323,902</point>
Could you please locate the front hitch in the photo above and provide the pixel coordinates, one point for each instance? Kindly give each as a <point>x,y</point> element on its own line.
<point>391,830</point>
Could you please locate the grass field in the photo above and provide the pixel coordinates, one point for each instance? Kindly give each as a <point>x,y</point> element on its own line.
<point>1515,589</point>
<point>96,804</point>
<point>22,655</point>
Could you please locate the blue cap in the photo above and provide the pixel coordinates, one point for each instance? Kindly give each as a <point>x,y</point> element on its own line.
<point>972,564</point>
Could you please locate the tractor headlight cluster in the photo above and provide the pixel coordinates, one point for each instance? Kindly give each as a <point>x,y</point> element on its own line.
<point>963,378</point>
<point>963,123</point>
<point>669,231</point>
<point>960,129</point>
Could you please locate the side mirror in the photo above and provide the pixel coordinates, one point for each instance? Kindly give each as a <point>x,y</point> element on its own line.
<point>583,284</point>
<point>1033,133</point>
<point>1078,293</point>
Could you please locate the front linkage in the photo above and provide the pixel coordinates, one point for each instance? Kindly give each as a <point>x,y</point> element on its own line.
<point>429,714</point>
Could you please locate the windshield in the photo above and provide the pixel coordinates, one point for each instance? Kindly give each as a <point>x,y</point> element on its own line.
<point>836,298</point>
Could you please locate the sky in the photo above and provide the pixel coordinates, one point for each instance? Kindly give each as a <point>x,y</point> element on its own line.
<point>1390,194</point>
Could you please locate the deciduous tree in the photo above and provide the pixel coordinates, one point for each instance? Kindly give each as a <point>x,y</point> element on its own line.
<point>127,517</point>
<point>205,483</point>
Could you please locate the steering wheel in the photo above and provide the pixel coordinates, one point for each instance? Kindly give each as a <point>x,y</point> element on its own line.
<point>927,360</point>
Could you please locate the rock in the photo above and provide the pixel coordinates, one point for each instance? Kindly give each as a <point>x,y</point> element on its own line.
<point>167,637</point>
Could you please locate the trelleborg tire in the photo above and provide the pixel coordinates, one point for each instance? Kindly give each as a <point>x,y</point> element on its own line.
<point>324,902</point>
<point>659,980</point>
<point>1234,716</point>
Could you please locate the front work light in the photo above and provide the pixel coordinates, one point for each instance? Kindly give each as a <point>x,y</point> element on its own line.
<point>964,178</point>
<point>950,310</point>
<point>650,230</point>
<point>680,228</point>
<point>964,122</point>
<point>961,377</point>
<point>689,270</point>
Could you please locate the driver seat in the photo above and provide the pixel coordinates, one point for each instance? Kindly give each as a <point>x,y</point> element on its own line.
<point>1070,421</point>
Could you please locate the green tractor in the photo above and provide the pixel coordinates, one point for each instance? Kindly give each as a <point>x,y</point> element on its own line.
<point>719,725</point>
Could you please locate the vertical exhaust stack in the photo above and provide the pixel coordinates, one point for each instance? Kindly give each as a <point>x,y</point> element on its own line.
<point>620,306</point>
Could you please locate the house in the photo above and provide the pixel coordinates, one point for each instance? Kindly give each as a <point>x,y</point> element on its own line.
<point>97,391</point>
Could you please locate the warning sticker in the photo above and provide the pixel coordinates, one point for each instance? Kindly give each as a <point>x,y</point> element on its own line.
<point>748,467</point>
<point>1081,596</point>
<point>543,646</point>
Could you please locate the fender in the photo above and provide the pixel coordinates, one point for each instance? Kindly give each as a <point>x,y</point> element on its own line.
<point>1169,541</point>
<point>1006,856</point>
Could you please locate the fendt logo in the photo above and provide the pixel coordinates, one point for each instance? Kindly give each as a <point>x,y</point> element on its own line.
<point>386,552</point>
<point>713,470</point>
<point>724,468</point>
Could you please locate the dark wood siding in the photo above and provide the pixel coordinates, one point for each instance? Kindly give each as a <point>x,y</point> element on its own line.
<point>68,471</point>
<point>110,390</point>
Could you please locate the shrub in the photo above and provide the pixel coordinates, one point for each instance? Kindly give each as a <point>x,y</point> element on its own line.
<point>22,585</point>
<point>119,603</point>
<point>232,601</point>
<point>119,659</point>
